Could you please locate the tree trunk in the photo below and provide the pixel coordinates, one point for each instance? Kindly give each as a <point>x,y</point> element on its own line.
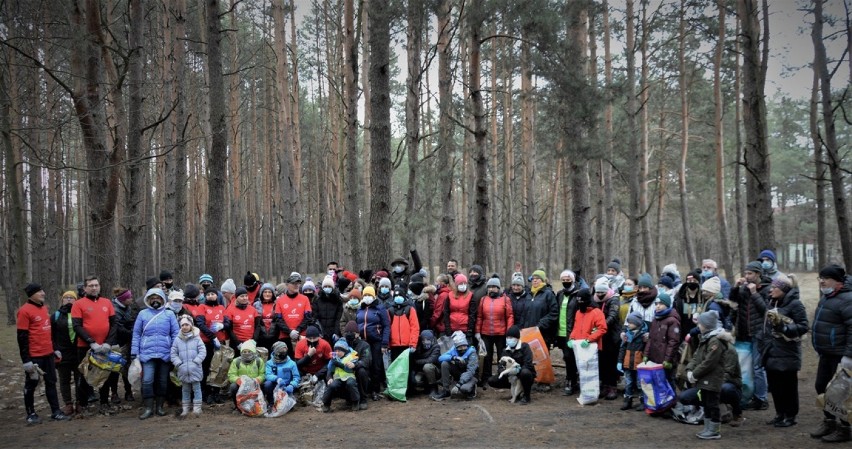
<point>636,213</point>
<point>819,176</point>
<point>761,229</point>
<point>529,231</point>
<point>380,154</point>
<point>721,214</point>
<point>609,218</point>
<point>352,250</point>
<point>684,139</point>
<point>833,159</point>
<point>644,206</point>
<point>368,105</point>
<point>482,208</point>
<point>742,247</point>
<point>445,137</point>
<point>414,36</point>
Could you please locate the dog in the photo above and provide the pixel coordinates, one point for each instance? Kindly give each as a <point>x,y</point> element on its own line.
<point>514,382</point>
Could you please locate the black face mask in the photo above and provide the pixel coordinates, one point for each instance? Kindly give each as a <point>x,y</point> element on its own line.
<point>313,344</point>
<point>494,294</point>
<point>350,339</point>
<point>211,302</point>
<point>692,285</point>
<point>567,285</point>
<point>309,295</point>
<point>167,285</point>
<point>156,305</point>
<point>473,277</point>
<point>241,306</point>
<point>582,306</point>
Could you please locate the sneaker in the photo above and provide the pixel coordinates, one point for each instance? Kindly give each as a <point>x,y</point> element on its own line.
<point>524,400</point>
<point>68,409</point>
<point>375,396</point>
<point>115,399</point>
<point>218,399</point>
<point>440,396</point>
<point>107,410</point>
<point>363,405</point>
<point>775,420</point>
<point>757,404</point>
<point>326,409</point>
<point>786,422</point>
<point>33,418</point>
<point>59,416</point>
<point>737,421</point>
<point>128,396</point>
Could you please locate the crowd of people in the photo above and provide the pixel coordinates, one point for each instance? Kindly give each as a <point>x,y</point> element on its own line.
<point>294,335</point>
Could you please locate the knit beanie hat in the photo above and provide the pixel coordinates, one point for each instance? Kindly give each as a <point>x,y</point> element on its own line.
<point>381,274</point>
<point>309,285</point>
<point>667,281</point>
<point>205,277</point>
<point>185,319</point>
<point>476,269</point>
<point>460,279</point>
<point>712,285</point>
<point>328,282</point>
<point>615,265</point>
<point>341,344</point>
<point>248,345</point>
<point>385,282</point>
<point>459,339</point>
<point>636,319</point>
<point>645,280</point>
<point>166,274</point>
<point>264,287</point>
<point>31,289</point>
<point>513,331</point>
<point>151,282</point>
<point>601,285</point>
<point>755,267</point>
<point>665,299</point>
<point>416,284</point>
<point>241,291</point>
<point>671,268</point>
<point>350,328</point>
<point>190,291</point>
<point>540,274</point>
<point>517,279</point>
<point>279,346</point>
<point>211,289</point>
<point>176,295</point>
<point>228,286</point>
<point>568,274</point>
<point>312,332</point>
<point>833,271</point>
<point>369,291</point>
<point>783,283</point>
<point>493,282</point>
<point>708,320</point>
<point>767,253</point>
<point>70,294</point>
<point>355,294</point>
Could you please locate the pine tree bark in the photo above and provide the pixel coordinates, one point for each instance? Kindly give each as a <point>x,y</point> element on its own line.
<point>352,251</point>
<point>413,47</point>
<point>13,177</point>
<point>482,208</point>
<point>609,218</point>
<point>644,206</point>
<point>445,133</point>
<point>634,258</point>
<point>684,138</point>
<point>529,232</point>
<point>721,213</point>
<point>742,246</point>
<point>819,175</point>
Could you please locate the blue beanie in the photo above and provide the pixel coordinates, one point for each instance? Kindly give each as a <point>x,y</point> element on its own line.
<point>768,254</point>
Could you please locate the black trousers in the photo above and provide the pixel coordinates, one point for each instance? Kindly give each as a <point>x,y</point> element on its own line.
<point>377,367</point>
<point>710,400</point>
<point>48,365</point>
<point>784,387</point>
<point>525,376</point>
<point>825,372</point>
<point>103,393</point>
<point>346,389</point>
<point>205,369</point>
<point>490,342</point>
<point>608,359</point>
<point>68,372</point>
<point>362,377</point>
<point>571,374</point>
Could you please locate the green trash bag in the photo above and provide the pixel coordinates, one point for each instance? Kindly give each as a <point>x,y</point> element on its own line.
<point>397,375</point>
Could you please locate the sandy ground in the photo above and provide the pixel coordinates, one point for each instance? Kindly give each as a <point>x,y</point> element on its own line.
<point>551,420</point>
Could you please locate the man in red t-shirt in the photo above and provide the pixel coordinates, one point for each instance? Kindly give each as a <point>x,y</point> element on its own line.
<point>290,310</point>
<point>241,319</point>
<point>93,318</point>
<point>37,353</point>
<point>312,355</point>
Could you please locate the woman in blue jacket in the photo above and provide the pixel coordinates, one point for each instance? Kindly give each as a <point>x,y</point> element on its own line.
<point>374,327</point>
<point>153,334</point>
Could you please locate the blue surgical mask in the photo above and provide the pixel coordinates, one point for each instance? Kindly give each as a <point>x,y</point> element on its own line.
<point>398,269</point>
<point>707,274</point>
<point>384,290</point>
<point>826,290</point>
<point>176,306</point>
<point>327,290</point>
<point>410,293</point>
<point>511,342</point>
<point>628,288</point>
<point>766,264</point>
<point>398,300</point>
<point>353,302</point>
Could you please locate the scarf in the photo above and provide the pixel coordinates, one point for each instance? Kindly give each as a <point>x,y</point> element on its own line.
<point>663,314</point>
<point>647,298</point>
<point>536,290</point>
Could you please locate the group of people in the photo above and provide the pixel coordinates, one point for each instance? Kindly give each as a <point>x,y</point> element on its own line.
<point>346,331</point>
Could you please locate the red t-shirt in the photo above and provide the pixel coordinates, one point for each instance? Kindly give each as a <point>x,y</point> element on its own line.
<point>212,314</point>
<point>242,320</point>
<point>192,309</point>
<point>36,320</point>
<point>292,310</point>
<point>320,358</point>
<point>95,315</point>
<point>266,315</point>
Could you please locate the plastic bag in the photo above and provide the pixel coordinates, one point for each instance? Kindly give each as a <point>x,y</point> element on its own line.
<point>746,370</point>
<point>250,400</point>
<point>95,376</point>
<point>219,364</point>
<point>688,414</point>
<point>837,398</point>
<point>397,375</point>
<point>541,356</point>
<point>111,361</point>
<point>587,365</point>
<point>134,374</point>
<point>386,361</point>
<point>483,349</point>
<point>281,403</point>
<point>173,377</point>
<point>311,394</point>
<point>658,393</point>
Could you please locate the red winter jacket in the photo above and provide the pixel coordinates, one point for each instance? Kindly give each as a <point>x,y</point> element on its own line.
<point>437,321</point>
<point>405,328</point>
<point>495,316</point>
<point>459,310</point>
<point>584,322</point>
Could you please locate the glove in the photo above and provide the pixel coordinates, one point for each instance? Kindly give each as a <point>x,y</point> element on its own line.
<point>846,363</point>
<point>280,381</point>
<point>571,344</point>
<point>217,345</point>
<point>690,377</point>
<point>57,354</point>
<point>478,336</point>
<point>411,350</point>
<point>667,365</point>
<point>289,389</point>
<point>644,359</point>
<point>294,335</point>
<point>29,367</point>
<point>95,347</point>
<point>455,390</point>
<point>216,327</point>
<point>620,367</point>
<point>584,344</point>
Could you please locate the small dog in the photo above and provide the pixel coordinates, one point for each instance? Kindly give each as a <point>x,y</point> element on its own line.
<point>514,383</point>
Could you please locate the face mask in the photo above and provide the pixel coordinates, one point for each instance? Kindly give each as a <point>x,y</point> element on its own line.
<point>327,290</point>
<point>398,300</point>
<point>826,290</point>
<point>494,294</point>
<point>384,290</point>
<point>313,344</point>
<point>567,285</point>
<point>280,356</point>
<point>156,304</point>
<point>463,288</point>
<point>211,300</point>
<point>427,345</point>
<point>766,264</point>
<point>610,277</point>
<point>628,288</point>
<point>398,269</point>
<point>474,277</point>
<point>353,302</point>
<point>330,273</point>
<point>175,306</point>
<point>309,295</point>
<point>707,274</point>
<point>692,285</point>
<point>600,296</point>
<point>582,305</point>
<point>369,300</point>
<point>248,356</point>
<point>350,339</point>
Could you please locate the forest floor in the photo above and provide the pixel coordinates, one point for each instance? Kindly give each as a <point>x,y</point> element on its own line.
<point>551,420</point>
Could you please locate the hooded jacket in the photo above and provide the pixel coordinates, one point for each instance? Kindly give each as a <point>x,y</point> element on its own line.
<point>750,309</point>
<point>779,353</point>
<point>153,333</point>
<point>664,338</point>
<point>125,316</point>
<point>267,329</point>
<point>187,354</point>
<point>707,364</point>
<point>519,307</point>
<point>495,316</point>
<point>610,308</point>
<point>327,308</point>
<point>349,313</point>
<point>423,304</point>
<point>543,311</point>
<point>286,370</point>
<point>471,362</point>
<point>459,313</point>
<point>589,325</point>
<point>633,349</point>
<point>373,323</point>
<point>832,328</point>
<point>423,355</point>
<point>404,326</point>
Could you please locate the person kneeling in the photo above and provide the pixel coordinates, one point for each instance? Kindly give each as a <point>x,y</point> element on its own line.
<point>281,371</point>
<point>247,364</point>
<point>458,365</point>
<point>523,371</point>
<point>341,377</point>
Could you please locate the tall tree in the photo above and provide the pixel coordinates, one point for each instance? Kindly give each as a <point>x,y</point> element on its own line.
<point>721,214</point>
<point>445,132</point>
<point>414,39</point>
<point>684,136</point>
<point>819,166</point>
<point>217,159</point>
<point>352,251</point>
<point>475,17</point>
<point>635,214</point>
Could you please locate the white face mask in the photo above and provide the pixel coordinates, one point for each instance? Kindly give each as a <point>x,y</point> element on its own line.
<point>368,300</point>
<point>463,288</point>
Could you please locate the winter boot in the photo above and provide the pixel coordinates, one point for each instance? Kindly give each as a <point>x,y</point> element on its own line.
<point>433,390</point>
<point>184,410</point>
<point>611,393</point>
<point>196,407</point>
<point>569,388</point>
<point>628,403</point>
<point>841,434</point>
<point>160,410</point>
<point>711,430</point>
<point>826,427</point>
<point>148,408</point>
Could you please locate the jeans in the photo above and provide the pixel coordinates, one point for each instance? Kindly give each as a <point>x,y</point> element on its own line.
<point>48,365</point>
<point>155,378</point>
<point>760,385</point>
<point>631,382</point>
<point>68,372</point>
<point>190,392</point>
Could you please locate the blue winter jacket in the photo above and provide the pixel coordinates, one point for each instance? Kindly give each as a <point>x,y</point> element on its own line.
<point>286,370</point>
<point>471,358</point>
<point>373,323</point>
<point>187,354</point>
<point>153,334</point>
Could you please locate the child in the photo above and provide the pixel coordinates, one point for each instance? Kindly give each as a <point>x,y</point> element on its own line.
<point>247,364</point>
<point>341,377</point>
<point>707,370</point>
<point>280,370</point>
<point>664,336</point>
<point>631,354</point>
<point>188,353</point>
<point>459,364</point>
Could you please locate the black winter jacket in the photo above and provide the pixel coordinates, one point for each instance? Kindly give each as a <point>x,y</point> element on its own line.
<point>570,310</point>
<point>832,328</point>
<point>125,317</point>
<point>59,330</point>
<point>748,317</point>
<point>519,309</point>
<point>522,354</point>
<point>327,309</point>
<point>777,353</point>
<point>543,311</point>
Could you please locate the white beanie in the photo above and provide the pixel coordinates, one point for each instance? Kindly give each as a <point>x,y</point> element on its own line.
<point>712,285</point>
<point>602,285</point>
<point>228,286</point>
